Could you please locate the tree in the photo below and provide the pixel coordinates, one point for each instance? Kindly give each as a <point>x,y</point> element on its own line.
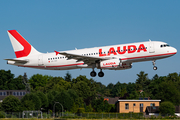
<point>57,84</point>
<point>28,105</point>
<point>85,88</point>
<point>68,77</point>
<point>101,105</point>
<point>33,98</point>
<point>74,108</point>
<point>11,104</point>
<point>116,89</point>
<point>50,98</point>
<point>133,95</point>
<point>82,89</point>
<point>110,86</point>
<point>43,98</point>
<point>65,99</point>
<point>167,91</point>
<point>123,92</point>
<point>167,108</point>
<point>74,96</point>
<point>7,81</point>
<point>89,108</point>
<point>37,81</point>
<point>141,81</point>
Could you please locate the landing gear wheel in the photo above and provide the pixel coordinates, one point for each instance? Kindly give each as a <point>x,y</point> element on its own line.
<point>154,68</point>
<point>93,74</point>
<point>100,74</point>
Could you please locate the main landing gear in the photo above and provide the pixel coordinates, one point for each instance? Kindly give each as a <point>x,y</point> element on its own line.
<point>154,67</point>
<point>100,74</point>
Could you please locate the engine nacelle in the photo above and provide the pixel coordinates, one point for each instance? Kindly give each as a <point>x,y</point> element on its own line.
<point>114,64</point>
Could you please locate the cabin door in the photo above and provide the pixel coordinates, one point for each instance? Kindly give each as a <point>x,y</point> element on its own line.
<point>151,47</point>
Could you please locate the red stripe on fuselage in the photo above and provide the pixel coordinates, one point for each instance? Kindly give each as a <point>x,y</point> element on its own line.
<point>53,66</point>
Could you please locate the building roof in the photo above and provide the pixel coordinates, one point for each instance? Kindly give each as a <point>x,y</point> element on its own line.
<point>111,100</point>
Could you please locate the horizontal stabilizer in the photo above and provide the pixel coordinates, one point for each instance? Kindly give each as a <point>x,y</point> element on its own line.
<point>17,60</point>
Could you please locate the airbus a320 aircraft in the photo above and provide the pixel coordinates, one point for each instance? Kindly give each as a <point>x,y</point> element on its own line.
<point>114,57</point>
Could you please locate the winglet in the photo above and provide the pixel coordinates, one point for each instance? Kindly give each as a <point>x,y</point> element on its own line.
<point>56,52</point>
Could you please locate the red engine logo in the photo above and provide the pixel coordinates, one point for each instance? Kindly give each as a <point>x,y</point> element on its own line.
<point>110,63</point>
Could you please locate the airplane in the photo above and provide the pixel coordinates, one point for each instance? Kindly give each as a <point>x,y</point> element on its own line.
<point>113,57</point>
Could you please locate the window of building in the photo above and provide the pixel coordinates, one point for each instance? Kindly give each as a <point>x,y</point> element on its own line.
<point>14,93</point>
<point>141,104</point>
<point>0,93</point>
<point>24,93</point>
<point>17,93</point>
<point>126,106</point>
<point>4,93</point>
<point>152,104</point>
<point>21,94</point>
<point>134,104</point>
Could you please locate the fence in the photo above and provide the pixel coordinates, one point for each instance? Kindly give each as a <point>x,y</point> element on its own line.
<point>35,114</point>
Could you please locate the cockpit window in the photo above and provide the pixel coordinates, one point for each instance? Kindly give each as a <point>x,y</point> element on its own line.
<point>165,45</point>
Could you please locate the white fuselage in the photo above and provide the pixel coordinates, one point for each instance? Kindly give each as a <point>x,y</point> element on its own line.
<point>126,53</point>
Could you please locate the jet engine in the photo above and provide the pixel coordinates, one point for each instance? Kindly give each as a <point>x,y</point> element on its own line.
<point>113,64</point>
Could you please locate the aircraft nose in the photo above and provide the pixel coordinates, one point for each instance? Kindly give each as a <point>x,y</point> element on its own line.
<point>174,50</point>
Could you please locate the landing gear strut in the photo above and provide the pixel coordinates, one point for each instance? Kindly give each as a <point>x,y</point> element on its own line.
<point>154,67</point>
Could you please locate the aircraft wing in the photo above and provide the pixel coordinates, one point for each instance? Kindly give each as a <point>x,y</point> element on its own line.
<point>85,59</point>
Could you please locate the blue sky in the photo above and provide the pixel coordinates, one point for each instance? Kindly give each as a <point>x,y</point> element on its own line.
<point>69,24</point>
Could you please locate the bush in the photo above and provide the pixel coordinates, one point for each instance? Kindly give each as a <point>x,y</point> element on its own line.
<point>80,110</point>
<point>2,114</point>
<point>167,108</point>
<point>11,104</point>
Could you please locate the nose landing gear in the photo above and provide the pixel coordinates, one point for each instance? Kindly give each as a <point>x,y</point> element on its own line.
<point>154,67</point>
